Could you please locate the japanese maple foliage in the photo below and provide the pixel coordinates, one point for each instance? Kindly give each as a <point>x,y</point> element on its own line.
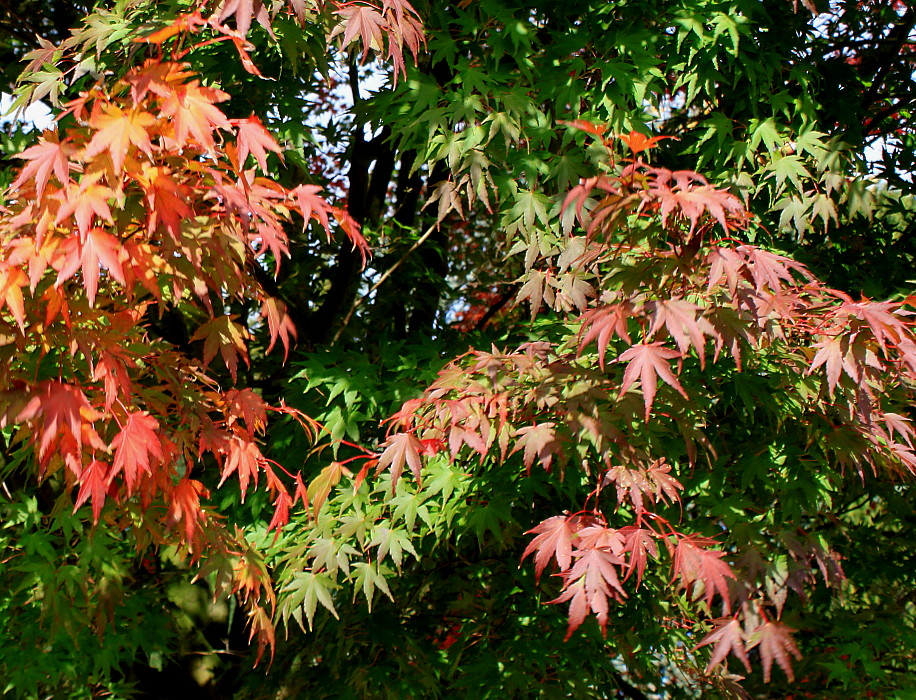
<point>674,309</point>
<point>697,452</point>
<point>146,202</point>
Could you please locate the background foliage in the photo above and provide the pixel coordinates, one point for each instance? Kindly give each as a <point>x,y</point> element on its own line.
<point>768,475</point>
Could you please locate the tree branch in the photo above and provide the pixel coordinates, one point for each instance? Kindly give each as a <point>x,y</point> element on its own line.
<point>883,59</point>
<point>381,280</point>
<point>631,691</point>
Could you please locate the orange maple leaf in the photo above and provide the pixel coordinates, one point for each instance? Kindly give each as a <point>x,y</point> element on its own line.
<point>84,202</point>
<point>167,199</point>
<point>193,113</point>
<point>244,458</point>
<point>117,130</point>
<point>228,338</point>
<point>638,143</point>
<point>12,280</point>
<point>184,505</point>
<point>279,323</point>
<point>99,248</point>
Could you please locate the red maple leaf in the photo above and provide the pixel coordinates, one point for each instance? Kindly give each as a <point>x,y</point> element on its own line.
<point>299,8</point>
<point>834,353</point>
<point>588,586</point>
<point>214,440</point>
<point>694,564</point>
<point>93,483</point>
<point>553,541</point>
<point>776,644</point>
<point>112,369</point>
<point>401,449</point>
<point>99,249</point>
<point>537,441</point>
<point>640,543</point>
<point>253,138</point>
<point>654,482</point>
<point>366,22</point>
<point>137,447</point>
<point>184,505</point>
<point>647,361</point>
<point>312,206</point>
<point>603,324</point>
<point>244,11</point>
<point>247,405</point>
<point>597,535</point>
<point>886,326</point>
<point>404,29</point>
<point>664,486</point>
<point>770,269</point>
<point>244,458</point>
<point>728,638</point>
<point>269,235</point>
<point>727,263</point>
<point>351,228</point>
<point>683,323</point>
<point>630,483</point>
<point>901,425</point>
<point>281,512</point>
<point>64,411</point>
<point>688,195</point>
<point>46,157</point>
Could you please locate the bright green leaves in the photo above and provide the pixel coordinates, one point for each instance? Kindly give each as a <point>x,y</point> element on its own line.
<point>529,207</point>
<point>303,594</point>
<point>788,168</point>
<point>369,578</point>
<point>362,536</point>
<point>391,543</point>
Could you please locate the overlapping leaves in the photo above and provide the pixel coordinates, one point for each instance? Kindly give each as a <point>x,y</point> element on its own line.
<point>677,312</point>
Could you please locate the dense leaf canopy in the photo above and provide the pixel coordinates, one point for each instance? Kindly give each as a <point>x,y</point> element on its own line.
<point>498,349</point>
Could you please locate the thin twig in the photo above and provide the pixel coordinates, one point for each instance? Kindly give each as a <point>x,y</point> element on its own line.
<point>382,279</point>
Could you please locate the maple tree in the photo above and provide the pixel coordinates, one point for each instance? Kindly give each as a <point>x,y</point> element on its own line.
<point>234,394</point>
